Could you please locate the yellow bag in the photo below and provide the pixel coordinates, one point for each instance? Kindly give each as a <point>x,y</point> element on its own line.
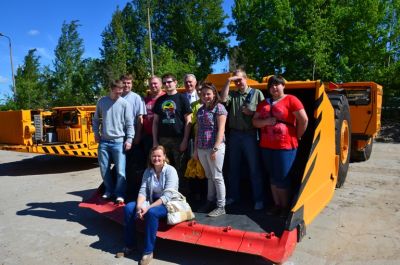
<point>194,169</point>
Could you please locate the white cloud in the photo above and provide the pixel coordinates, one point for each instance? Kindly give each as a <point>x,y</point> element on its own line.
<point>3,80</point>
<point>33,32</point>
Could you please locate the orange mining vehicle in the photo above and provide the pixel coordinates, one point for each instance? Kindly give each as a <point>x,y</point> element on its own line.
<point>343,121</point>
<point>63,131</point>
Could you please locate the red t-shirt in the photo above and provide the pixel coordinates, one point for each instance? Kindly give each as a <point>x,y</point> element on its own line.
<point>148,118</point>
<point>282,135</point>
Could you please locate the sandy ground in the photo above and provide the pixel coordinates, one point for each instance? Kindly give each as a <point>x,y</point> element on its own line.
<point>41,223</point>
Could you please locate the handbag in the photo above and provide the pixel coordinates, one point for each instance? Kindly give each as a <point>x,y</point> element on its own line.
<point>194,169</point>
<point>178,209</point>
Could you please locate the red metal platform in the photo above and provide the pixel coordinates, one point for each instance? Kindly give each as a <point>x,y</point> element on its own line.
<point>267,245</point>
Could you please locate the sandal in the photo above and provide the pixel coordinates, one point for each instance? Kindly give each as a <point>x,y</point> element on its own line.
<point>125,252</point>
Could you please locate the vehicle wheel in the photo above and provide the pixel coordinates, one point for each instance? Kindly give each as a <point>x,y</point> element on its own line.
<point>362,155</point>
<point>342,134</point>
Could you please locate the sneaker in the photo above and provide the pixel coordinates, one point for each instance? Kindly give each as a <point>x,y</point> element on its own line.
<point>206,207</point>
<point>120,200</point>
<point>146,259</point>
<point>106,195</point>
<point>229,201</point>
<point>258,206</point>
<point>125,252</point>
<point>217,212</point>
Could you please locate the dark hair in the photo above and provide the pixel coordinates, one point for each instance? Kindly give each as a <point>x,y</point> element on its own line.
<point>126,77</point>
<point>214,90</point>
<point>158,147</point>
<point>275,80</point>
<point>169,75</point>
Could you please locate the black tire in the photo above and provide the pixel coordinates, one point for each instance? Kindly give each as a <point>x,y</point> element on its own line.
<point>342,134</point>
<point>364,154</point>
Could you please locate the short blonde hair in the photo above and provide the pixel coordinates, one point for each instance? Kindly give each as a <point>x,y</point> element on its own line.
<point>237,71</point>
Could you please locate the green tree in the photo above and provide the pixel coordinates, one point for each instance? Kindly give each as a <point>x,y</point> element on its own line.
<point>186,36</point>
<point>167,62</point>
<point>115,48</point>
<point>363,31</point>
<point>31,94</point>
<point>88,80</point>
<point>191,27</point>
<point>333,40</point>
<point>68,66</point>
<point>284,36</point>
<point>124,48</point>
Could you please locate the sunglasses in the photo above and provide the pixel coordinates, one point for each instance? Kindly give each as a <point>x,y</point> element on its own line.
<point>167,82</point>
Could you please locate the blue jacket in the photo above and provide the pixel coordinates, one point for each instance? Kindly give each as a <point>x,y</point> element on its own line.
<point>168,178</point>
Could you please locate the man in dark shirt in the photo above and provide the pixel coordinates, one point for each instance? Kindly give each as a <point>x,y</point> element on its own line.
<point>172,122</point>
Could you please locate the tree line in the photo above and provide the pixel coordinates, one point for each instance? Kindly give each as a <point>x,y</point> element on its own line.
<point>331,40</point>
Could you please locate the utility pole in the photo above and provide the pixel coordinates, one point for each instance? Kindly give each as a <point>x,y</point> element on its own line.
<point>150,42</point>
<point>12,66</point>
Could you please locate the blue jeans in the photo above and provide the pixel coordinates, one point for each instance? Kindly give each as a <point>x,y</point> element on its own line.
<point>109,152</point>
<point>278,163</point>
<point>151,226</point>
<point>243,146</point>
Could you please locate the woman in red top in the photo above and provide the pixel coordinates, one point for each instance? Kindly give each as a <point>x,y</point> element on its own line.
<point>282,120</point>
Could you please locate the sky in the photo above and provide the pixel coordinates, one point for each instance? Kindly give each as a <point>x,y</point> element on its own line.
<point>37,24</point>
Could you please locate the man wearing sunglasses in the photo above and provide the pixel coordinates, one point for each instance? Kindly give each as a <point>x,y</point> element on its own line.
<point>241,104</point>
<point>172,122</point>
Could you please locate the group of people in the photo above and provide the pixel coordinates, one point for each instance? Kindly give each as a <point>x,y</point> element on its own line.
<point>162,124</point>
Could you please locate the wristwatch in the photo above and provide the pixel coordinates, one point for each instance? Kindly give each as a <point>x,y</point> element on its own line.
<point>215,149</point>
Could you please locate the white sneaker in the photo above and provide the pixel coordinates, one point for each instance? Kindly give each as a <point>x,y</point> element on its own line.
<point>146,259</point>
<point>217,212</point>
<point>120,200</point>
<point>106,195</point>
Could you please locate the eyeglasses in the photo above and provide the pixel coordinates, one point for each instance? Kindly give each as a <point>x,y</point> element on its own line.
<point>168,82</point>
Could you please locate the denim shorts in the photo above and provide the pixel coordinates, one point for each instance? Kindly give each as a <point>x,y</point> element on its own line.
<point>278,163</point>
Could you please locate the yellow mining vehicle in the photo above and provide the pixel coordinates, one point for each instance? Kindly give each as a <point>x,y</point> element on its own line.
<point>60,131</point>
<point>343,121</point>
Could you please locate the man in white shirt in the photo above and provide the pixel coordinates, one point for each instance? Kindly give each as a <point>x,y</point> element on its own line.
<point>190,83</point>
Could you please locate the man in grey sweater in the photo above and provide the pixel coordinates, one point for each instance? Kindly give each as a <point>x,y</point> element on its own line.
<point>114,114</point>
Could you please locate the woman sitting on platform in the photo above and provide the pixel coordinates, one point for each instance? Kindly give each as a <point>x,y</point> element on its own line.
<point>150,203</point>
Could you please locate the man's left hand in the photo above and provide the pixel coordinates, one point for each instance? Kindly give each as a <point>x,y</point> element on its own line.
<point>127,146</point>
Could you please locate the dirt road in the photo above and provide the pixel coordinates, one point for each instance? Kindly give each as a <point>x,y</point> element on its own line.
<point>41,223</point>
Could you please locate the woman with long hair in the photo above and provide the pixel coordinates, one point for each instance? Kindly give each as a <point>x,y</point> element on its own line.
<point>210,147</point>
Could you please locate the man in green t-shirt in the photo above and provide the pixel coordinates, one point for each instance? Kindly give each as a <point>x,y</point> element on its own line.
<point>241,104</point>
